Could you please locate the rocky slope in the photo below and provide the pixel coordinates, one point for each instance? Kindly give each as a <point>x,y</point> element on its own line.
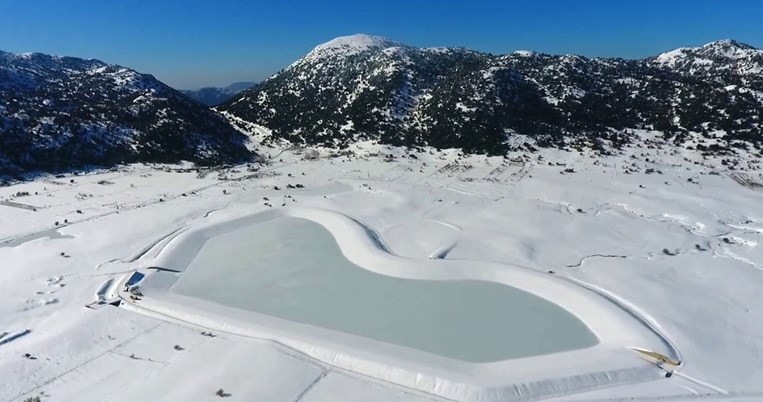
<point>212,96</point>
<point>59,113</point>
<point>365,87</point>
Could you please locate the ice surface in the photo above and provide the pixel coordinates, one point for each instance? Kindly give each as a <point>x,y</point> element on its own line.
<point>292,268</point>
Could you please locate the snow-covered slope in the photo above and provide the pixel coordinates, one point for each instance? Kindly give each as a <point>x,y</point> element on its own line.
<point>62,112</point>
<point>364,87</point>
<point>673,237</point>
<point>727,54</point>
<point>351,45</point>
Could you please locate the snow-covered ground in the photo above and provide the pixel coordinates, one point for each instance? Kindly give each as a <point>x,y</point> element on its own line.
<point>679,247</point>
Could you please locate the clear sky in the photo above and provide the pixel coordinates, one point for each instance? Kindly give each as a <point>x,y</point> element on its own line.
<point>194,43</point>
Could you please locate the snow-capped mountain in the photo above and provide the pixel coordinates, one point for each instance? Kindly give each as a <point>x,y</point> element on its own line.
<point>63,112</point>
<point>352,45</point>
<point>372,88</point>
<point>212,96</point>
<point>723,54</point>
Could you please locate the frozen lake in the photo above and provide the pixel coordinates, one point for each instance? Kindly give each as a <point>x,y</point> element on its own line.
<point>293,269</point>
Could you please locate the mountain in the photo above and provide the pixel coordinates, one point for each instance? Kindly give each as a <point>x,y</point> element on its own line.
<point>368,87</point>
<point>212,96</point>
<point>63,112</point>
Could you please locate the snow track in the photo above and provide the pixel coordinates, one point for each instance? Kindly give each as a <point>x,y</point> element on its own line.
<point>48,381</point>
<point>582,260</point>
<point>702,383</point>
<point>8,337</point>
<point>309,387</point>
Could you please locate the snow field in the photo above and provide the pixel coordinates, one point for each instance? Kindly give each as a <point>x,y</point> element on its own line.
<point>704,299</point>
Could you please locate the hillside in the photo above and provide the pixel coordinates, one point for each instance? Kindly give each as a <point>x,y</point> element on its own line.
<point>365,87</point>
<point>59,113</point>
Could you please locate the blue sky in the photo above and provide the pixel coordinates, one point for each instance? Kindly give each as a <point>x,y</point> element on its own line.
<point>194,43</point>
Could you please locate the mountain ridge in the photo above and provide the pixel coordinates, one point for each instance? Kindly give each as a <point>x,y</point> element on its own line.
<point>368,87</point>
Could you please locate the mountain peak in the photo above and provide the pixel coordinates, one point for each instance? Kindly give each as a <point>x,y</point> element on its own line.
<point>727,49</point>
<point>727,43</point>
<point>354,44</point>
<point>525,53</point>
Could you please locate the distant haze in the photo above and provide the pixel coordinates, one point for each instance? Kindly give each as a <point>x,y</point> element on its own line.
<point>212,96</point>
